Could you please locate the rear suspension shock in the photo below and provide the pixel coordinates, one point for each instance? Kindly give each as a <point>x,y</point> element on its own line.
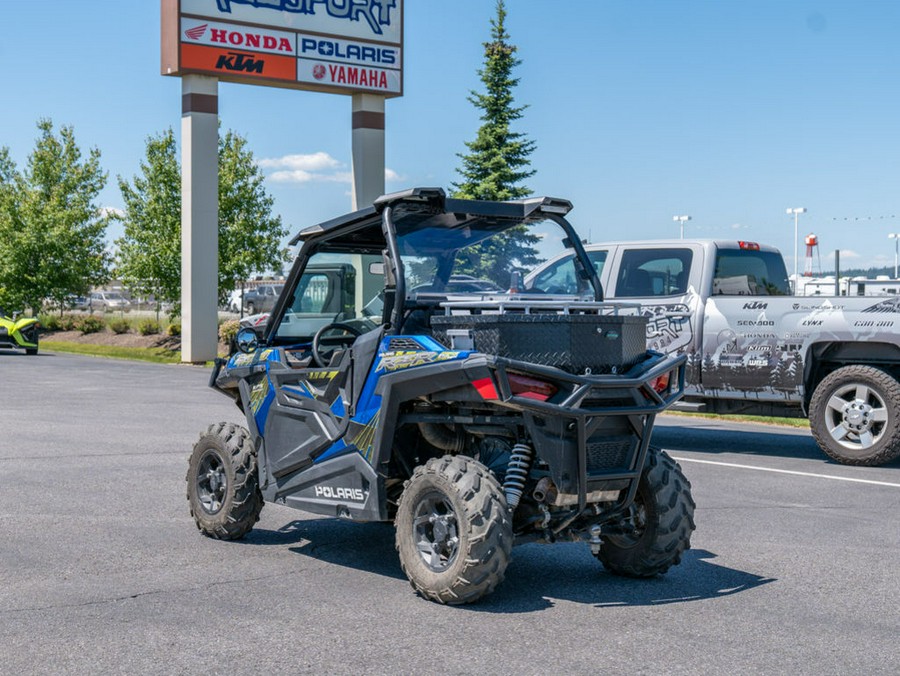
<point>517,473</point>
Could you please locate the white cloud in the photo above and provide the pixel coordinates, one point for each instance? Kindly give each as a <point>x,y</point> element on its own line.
<point>848,253</point>
<point>112,211</point>
<point>317,167</point>
<point>306,163</point>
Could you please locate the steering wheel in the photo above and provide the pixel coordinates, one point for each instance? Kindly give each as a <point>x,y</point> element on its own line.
<point>319,340</point>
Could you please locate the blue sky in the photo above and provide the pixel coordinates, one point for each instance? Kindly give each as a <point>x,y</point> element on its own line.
<point>727,110</point>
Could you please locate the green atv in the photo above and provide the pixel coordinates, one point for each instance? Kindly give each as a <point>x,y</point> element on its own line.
<point>19,332</point>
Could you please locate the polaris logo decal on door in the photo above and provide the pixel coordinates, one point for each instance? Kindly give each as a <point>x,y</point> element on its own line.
<point>340,493</point>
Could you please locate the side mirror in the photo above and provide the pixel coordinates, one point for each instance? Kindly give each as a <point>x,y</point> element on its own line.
<point>246,340</point>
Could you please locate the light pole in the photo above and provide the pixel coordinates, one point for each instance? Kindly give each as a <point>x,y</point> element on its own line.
<point>796,211</point>
<point>681,219</point>
<point>896,237</point>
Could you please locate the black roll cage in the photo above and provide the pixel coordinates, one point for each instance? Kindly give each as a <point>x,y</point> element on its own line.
<point>354,233</point>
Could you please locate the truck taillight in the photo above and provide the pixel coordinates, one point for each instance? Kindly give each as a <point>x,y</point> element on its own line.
<point>531,388</point>
<point>749,246</point>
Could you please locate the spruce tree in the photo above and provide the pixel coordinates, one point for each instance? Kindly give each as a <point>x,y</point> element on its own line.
<point>497,162</point>
<point>498,159</point>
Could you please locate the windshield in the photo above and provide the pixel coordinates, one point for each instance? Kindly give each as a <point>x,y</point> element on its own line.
<point>477,257</point>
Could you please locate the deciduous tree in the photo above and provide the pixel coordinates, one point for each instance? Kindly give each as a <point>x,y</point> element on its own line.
<point>249,234</point>
<point>51,226</point>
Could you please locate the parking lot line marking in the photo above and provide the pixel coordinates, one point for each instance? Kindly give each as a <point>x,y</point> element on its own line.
<point>789,471</point>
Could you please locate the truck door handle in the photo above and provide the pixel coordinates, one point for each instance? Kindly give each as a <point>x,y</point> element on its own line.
<point>678,315</point>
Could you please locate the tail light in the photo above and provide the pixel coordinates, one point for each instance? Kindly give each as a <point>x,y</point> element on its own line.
<point>660,384</point>
<point>531,388</point>
<point>486,388</point>
<point>749,246</point>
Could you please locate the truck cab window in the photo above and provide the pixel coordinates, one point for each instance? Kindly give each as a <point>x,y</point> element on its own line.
<point>741,272</point>
<point>653,272</point>
<point>560,278</point>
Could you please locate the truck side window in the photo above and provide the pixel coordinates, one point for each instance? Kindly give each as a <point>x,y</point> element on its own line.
<point>653,272</point>
<point>560,278</point>
<point>741,272</point>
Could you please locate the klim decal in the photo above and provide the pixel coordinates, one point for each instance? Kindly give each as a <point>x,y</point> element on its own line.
<point>376,13</point>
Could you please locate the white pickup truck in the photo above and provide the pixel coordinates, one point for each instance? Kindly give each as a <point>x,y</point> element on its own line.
<point>752,347</point>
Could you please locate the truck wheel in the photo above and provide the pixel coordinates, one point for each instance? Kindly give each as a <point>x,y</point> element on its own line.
<point>454,533</point>
<point>251,309</point>
<point>222,485</point>
<point>656,529</point>
<point>854,415</point>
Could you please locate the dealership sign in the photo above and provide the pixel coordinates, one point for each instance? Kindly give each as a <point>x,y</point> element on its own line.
<point>338,46</point>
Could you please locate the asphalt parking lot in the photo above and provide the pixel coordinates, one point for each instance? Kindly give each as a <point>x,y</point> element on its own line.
<point>793,567</point>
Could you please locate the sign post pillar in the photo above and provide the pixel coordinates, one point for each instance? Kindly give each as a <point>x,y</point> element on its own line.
<point>199,217</point>
<point>368,149</point>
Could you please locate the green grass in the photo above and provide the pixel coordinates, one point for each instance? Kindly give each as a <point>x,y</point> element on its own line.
<point>802,423</point>
<point>157,355</point>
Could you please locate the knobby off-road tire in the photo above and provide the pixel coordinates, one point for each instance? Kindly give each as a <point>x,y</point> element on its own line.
<point>854,415</point>
<point>656,530</point>
<point>454,532</point>
<point>222,484</point>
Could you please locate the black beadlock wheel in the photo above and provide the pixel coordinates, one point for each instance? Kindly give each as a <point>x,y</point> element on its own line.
<point>656,529</point>
<point>854,415</point>
<point>222,483</point>
<point>454,533</point>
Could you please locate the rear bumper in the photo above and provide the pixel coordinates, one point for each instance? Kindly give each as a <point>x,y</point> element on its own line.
<point>595,432</point>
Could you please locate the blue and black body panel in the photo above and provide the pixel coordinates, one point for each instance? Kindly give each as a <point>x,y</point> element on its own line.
<point>320,432</point>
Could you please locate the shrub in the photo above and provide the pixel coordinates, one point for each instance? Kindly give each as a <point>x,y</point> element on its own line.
<point>50,322</point>
<point>69,322</point>
<point>119,325</point>
<point>89,324</point>
<point>173,329</point>
<point>228,330</point>
<point>148,327</point>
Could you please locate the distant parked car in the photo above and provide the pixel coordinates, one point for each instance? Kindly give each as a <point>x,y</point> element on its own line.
<point>77,303</point>
<point>462,284</point>
<point>70,302</point>
<point>262,298</point>
<point>109,301</point>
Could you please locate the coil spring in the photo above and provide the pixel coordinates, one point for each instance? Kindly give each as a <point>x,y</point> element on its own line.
<point>517,473</point>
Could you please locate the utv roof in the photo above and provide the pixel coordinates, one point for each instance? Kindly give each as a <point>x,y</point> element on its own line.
<point>420,205</point>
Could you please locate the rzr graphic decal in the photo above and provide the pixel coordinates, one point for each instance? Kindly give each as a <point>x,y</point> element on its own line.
<point>258,395</point>
<point>395,361</point>
<point>362,436</point>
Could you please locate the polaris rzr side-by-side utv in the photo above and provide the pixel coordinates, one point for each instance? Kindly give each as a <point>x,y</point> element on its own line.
<point>472,420</point>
